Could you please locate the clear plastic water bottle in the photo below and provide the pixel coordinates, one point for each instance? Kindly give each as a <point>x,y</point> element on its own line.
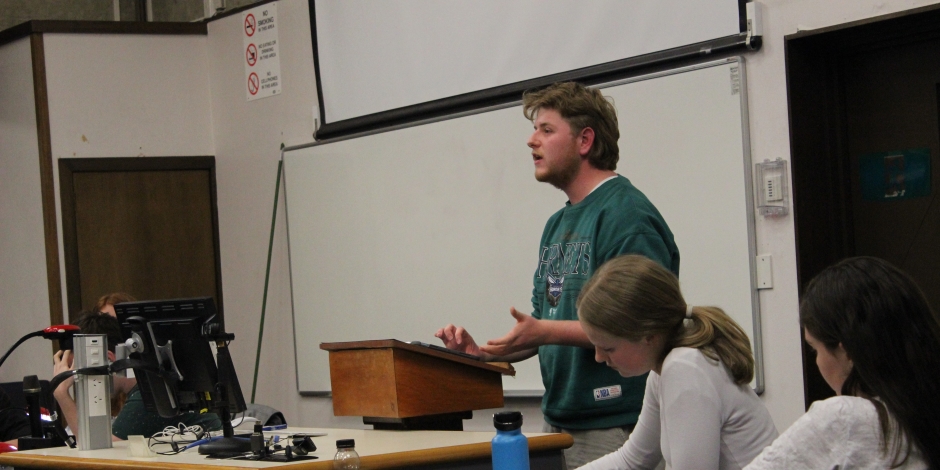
<point>510,447</point>
<point>346,457</point>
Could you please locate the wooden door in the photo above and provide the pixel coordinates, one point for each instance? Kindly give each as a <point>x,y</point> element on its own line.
<point>145,226</point>
<point>891,103</point>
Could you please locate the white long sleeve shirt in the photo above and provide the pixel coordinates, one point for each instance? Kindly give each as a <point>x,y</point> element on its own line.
<point>694,416</point>
<point>838,433</point>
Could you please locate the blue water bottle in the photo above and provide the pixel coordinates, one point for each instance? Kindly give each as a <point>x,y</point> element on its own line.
<point>510,447</point>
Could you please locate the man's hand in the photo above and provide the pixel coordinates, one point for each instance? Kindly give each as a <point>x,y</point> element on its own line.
<point>528,334</point>
<point>62,361</point>
<point>457,338</point>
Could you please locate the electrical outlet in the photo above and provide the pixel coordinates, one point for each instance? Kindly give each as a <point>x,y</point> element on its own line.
<point>97,396</point>
<point>92,392</point>
<point>765,272</point>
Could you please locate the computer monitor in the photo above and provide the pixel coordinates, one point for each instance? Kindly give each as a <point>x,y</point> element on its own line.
<point>176,336</point>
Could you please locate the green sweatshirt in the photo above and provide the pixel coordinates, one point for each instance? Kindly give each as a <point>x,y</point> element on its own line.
<point>613,220</point>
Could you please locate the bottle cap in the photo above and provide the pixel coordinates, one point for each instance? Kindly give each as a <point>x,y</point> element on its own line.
<point>507,420</point>
<point>345,443</point>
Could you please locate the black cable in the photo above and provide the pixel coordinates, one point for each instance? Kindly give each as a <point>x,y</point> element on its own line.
<point>10,351</point>
<point>116,366</point>
<point>137,364</point>
<point>54,384</point>
<point>58,379</point>
<point>60,432</point>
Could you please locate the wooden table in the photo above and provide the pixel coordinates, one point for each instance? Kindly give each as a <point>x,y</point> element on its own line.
<point>378,450</point>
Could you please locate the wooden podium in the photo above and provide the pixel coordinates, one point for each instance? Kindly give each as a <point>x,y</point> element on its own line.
<point>396,385</point>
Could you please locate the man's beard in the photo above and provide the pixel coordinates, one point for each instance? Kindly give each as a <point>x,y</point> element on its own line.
<point>562,176</point>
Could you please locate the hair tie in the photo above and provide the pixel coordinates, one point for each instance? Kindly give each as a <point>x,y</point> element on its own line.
<point>688,311</point>
<point>687,321</point>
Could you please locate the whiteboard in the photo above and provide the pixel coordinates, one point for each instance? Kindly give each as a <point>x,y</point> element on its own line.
<point>396,234</point>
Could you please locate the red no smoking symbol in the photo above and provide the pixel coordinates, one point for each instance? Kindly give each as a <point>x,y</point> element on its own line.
<point>251,54</point>
<point>250,24</point>
<point>253,83</point>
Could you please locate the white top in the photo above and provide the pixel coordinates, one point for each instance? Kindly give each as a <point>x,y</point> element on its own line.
<point>838,433</point>
<point>694,416</point>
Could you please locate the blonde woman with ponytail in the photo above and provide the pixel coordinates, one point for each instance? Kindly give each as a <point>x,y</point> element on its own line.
<point>699,410</point>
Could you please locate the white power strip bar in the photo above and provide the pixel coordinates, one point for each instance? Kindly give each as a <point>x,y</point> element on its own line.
<point>92,393</point>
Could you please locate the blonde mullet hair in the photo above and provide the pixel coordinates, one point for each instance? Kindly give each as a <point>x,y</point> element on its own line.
<point>632,297</point>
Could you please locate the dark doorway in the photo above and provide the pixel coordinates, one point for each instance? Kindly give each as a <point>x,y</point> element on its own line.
<point>863,107</point>
<point>145,226</point>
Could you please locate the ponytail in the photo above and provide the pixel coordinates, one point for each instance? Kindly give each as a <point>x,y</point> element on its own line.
<point>633,297</point>
<point>719,337</point>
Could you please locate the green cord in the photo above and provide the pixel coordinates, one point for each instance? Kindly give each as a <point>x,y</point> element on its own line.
<point>267,276</point>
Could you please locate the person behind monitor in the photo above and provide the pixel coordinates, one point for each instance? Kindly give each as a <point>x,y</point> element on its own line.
<point>574,148</point>
<point>877,344</point>
<point>106,302</point>
<point>131,416</point>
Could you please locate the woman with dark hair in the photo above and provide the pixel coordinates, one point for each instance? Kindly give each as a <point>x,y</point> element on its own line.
<point>877,344</point>
<point>699,410</point>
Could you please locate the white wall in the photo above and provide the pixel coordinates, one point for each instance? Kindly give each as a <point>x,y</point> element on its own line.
<point>249,136</point>
<point>128,95</point>
<point>24,295</point>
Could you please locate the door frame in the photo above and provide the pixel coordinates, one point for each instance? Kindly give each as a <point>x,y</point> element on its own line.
<point>819,159</point>
<point>68,167</point>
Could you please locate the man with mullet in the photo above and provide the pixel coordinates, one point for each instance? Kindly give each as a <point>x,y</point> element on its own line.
<point>574,148</point>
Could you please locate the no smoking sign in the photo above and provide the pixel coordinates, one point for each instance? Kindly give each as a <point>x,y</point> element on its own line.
<point>262,52</point>
<point>250,25</point>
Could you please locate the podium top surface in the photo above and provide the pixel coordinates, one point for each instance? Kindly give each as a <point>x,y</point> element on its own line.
<point>501,367</point>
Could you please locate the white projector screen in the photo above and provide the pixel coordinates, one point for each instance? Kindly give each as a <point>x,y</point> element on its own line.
<point>395,234</point>
<point>378,56</point>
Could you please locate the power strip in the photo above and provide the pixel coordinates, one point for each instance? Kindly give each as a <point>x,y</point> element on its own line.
<point>92,393</point>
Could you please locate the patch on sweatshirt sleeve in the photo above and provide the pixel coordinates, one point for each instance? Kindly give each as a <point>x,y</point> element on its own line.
<point>607,393</point>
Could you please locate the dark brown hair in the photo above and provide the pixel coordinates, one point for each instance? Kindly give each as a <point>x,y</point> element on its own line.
<point>112,299</point>
<point>97,323</point>
<point>892,336</point>
<point>581,107</point>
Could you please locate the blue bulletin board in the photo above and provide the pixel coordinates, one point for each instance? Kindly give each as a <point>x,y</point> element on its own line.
<point>896,175</point>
